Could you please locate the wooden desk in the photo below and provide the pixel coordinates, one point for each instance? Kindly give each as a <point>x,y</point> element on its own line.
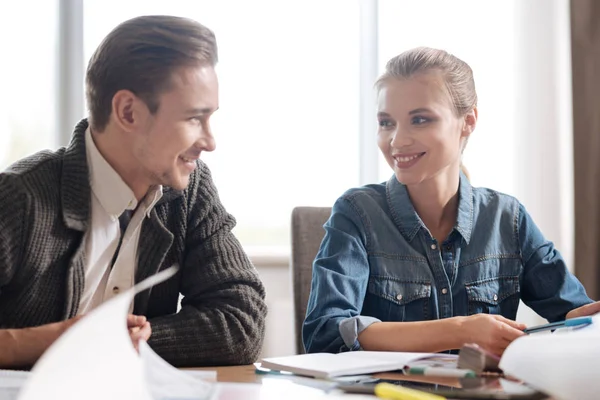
<point>242,382</point>
<point>237,374</point>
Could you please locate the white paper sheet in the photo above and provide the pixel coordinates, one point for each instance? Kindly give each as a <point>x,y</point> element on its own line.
<point>95,360</point>
<point>563,364</point>
<point>164,381</point>
<point>11,382</point>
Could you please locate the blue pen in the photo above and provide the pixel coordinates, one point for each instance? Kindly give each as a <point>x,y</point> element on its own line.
<point>580,322</point>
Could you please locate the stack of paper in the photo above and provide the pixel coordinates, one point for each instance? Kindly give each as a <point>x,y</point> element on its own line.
<point>11,383</point>
<point>95,359</point>
<point>563,364</point>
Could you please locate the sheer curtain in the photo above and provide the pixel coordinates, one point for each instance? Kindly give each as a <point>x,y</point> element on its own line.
<point>28,78</point>
<point>543,121</point>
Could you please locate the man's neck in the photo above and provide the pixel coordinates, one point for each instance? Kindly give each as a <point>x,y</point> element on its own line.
<point>119,155</point>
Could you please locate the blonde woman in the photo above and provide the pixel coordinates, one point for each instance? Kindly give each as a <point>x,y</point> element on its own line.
<point>427,262</point>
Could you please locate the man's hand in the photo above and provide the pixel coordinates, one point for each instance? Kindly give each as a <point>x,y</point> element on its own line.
<point>22,347</point>
<point>584,311</point>
<point>492,332</point>
<point>139,329</point>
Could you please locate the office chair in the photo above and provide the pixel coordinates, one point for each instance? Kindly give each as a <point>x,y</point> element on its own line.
<point>307,234</point>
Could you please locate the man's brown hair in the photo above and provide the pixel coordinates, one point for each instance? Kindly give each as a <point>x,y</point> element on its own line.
<point>141,55</point>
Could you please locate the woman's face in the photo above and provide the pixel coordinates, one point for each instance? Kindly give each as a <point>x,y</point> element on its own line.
<point>419,134</point>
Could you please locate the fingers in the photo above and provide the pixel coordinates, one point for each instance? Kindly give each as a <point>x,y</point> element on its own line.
<point>510,322</point>
<point>499,347</point>
<point>138,333</point>
<point>502,332</point>
<point>583,311</point>
<point>135,320</point>
<point>508,333</point>
<point>145,331</point>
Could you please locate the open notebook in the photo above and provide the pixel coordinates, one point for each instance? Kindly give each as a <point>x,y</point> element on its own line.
<point>327,365</point>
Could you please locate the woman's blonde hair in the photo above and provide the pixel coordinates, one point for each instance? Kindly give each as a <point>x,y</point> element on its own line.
<point>457,75</point>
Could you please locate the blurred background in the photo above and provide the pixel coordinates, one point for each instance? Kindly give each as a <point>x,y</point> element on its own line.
<point>297,127</point>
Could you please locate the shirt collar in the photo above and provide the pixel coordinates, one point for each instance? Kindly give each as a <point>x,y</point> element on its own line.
<point>408,221</point>
<point>152,197</point>
<point>113,194</point>
<point>464,219</point>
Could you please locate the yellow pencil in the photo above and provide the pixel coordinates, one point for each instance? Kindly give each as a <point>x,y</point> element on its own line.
<point>395,392</point>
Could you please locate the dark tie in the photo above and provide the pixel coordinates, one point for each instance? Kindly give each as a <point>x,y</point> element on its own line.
<point>123,222</point>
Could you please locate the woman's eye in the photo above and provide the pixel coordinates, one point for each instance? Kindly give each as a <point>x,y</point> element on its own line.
<point>385,123</point>
<point>418,120</point>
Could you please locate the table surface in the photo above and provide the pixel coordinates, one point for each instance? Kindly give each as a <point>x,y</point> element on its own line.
<point>242,382</point>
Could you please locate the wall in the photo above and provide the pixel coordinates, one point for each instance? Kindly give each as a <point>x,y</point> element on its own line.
<point>279,336</point>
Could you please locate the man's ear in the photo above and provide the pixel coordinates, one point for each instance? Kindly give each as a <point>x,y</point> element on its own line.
<point>470,122</point>
<point>129,112</point>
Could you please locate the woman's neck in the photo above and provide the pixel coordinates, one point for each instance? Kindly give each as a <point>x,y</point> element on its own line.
<point>436,202</point>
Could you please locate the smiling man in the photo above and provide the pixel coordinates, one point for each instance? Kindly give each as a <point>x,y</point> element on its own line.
<point>128,197</point>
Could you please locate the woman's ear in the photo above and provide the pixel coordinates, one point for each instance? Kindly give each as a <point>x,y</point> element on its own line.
<point>470,121</point>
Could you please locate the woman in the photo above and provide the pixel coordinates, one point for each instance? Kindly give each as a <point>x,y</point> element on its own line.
<point>426,262</point>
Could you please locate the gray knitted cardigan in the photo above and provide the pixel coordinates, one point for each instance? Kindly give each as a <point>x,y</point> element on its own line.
<point>44,214</point>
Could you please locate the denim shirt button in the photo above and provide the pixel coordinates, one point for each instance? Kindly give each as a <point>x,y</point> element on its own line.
<point>433,247</point>
<point>444,291</point>
<point>399,297</point>
<point>495,297</point>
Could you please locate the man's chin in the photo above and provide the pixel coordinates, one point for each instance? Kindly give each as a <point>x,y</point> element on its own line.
<point>181,183</point>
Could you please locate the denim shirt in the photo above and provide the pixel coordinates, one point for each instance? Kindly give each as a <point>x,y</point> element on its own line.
<point>378,262</point>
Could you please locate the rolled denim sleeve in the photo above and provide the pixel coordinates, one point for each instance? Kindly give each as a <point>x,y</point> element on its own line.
<point>351,327</point>
<point>339,282</point>
<point>548,287</point>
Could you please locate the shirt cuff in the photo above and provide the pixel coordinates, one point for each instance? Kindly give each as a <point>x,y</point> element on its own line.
<point>350,328</point>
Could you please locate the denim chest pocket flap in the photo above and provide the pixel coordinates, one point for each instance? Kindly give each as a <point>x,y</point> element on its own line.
<point>492,291</point>
<point>399,292</point>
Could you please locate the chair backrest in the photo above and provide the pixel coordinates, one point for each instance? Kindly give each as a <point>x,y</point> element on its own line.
<point>307,234</point>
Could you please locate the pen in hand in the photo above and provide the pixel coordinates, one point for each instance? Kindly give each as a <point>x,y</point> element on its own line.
<point>580,321</point>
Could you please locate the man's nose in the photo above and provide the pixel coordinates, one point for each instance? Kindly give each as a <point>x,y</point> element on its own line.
<point>206,141</point>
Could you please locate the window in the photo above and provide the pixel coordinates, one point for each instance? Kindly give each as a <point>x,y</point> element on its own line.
<point>481,34</point>
<point>28,76</point>
<point>287,128</point>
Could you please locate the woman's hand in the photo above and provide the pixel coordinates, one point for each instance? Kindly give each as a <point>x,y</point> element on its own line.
<point>584,311</point>
<point>492,332</point>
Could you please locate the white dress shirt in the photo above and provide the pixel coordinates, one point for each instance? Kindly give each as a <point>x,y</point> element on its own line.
<point>110,197</point>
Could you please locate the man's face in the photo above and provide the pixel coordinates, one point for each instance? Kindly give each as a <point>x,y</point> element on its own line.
<point>173,138</point>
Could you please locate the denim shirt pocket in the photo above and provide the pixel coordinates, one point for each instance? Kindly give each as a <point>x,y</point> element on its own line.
<point>393,299</point>
<point>498,295</point>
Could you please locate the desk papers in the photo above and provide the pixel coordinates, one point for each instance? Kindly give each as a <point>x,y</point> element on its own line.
<point>95,360</point>
<point>563,364</point>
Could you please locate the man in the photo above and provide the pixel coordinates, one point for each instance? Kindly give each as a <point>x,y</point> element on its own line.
<point>129,197</point>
